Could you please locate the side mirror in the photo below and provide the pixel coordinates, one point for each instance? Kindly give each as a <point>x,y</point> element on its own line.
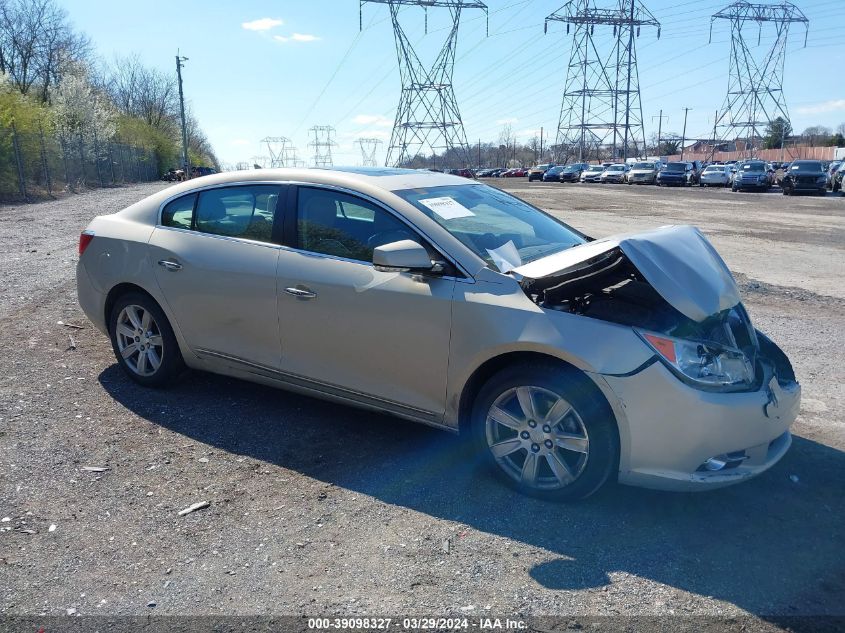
<point>402,256</point>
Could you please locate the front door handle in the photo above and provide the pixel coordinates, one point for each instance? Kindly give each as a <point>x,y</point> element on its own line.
<point>170,265</point>
<point>301,293</point>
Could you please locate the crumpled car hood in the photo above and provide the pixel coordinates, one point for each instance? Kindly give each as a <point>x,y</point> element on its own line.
<point>678,261</point>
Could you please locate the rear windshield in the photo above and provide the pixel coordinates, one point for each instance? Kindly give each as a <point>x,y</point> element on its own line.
<point>808,166</point>
<point>715,168</point>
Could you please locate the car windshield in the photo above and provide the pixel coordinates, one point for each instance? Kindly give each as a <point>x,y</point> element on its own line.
<point>595,168</point>
<point>501,229</point>
<point>616,168</point>
<point>754,167</point>
<point>572,168</point>
<point>676,167</point>
<point>808,166</point>
<point>543,167</point>
<point>643,165</point>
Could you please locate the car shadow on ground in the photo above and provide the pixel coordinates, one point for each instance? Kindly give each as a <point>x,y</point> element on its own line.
<point>773,545</point>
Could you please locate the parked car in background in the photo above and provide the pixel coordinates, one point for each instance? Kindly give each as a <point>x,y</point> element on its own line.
<point>487,172</point>
<point>674,175</point>
<point>536,173</point>
<point>643,173</point>
<point>715,176</point>
<point>463,173</point>
<point>838,177</point>
<point>553,173</point>
<point>567,362</point>
<point>752,174</point>
<point>174,175</point>
<point>832,170</point>
<point>614,174</point>
<point>572,173</point>
<point>694,173</point>
<point>804,176</point>
<point>592,173</point>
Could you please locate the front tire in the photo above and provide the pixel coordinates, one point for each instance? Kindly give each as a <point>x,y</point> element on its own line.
<point>143,341</point>
<point>546,431</point>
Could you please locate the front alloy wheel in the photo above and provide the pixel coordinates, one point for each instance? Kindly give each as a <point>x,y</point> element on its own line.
<point>537,438</point>
<point>546,430</point>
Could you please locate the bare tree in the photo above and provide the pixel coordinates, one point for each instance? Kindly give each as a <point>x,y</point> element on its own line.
<point>146,93</point>
<point>816,135</point>
<point>37,44</point>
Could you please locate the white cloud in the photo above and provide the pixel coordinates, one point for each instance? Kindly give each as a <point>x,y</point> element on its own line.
<point>834,105</point>
<point>296,37</point>
<point>372,119</point>
<point>262,24</point>
<point>509,121</point>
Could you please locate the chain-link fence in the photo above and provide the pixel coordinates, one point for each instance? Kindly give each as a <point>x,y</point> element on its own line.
<point>37,164</point>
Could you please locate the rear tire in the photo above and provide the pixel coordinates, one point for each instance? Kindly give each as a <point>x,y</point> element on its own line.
<point>553,434</point>
<point>143,341</point>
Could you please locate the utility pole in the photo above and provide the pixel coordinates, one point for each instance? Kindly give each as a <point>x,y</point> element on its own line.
<point>541,143</point>
<point>659,130</point>
<point>185,161</point>
<point>713,151</point>
<point>479,153</point>
<point>684,133</point>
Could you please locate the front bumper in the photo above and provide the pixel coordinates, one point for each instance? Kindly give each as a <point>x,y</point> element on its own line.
<point>642,178</point>
<point>613,179</point>
<point>671,180</point>
<point>751,184</point>
<point>671,429</point>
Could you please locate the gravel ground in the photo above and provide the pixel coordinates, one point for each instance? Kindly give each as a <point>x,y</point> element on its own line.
<point>321,509</point>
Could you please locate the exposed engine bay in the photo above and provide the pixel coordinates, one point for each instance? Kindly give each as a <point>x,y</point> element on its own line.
<point>610,288</point>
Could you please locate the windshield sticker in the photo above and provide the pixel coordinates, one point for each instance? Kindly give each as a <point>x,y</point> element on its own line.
<point>447,208</point>
<point>506,257</point>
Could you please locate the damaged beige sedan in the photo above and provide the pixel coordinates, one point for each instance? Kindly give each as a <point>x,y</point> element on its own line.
<point>568,361</point>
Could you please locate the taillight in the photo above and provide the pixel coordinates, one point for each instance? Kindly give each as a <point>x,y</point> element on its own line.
<point>84,240</point>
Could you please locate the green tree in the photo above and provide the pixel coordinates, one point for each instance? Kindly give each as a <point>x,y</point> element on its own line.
<point>777,132</point>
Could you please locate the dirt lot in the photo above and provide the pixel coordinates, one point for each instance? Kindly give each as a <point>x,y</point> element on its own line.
<point>321,509</point>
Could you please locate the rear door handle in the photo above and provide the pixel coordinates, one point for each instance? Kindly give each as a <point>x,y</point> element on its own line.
<point>170,265</point>
<point>302,293</point>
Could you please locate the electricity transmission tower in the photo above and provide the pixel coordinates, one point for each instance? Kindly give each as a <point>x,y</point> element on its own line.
<point>276,146</point>
<point>369,147</point>
<point>322,144</point>
<point>427,120</point>
<point>601,97</point>
<point>755,85</point>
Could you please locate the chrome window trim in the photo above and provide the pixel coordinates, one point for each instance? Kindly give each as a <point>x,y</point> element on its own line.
<point>467,278</point>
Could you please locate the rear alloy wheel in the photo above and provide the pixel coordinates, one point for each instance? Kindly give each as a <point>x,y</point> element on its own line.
<point>143,341</point>
<point>546,431</point>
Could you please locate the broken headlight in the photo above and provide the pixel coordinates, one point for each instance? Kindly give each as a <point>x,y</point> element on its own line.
<point>704,363</point>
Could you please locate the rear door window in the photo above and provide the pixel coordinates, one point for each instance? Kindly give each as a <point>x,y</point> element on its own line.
<point>245,211</point>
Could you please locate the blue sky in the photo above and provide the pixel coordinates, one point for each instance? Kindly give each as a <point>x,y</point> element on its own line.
<point>277,67</point>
